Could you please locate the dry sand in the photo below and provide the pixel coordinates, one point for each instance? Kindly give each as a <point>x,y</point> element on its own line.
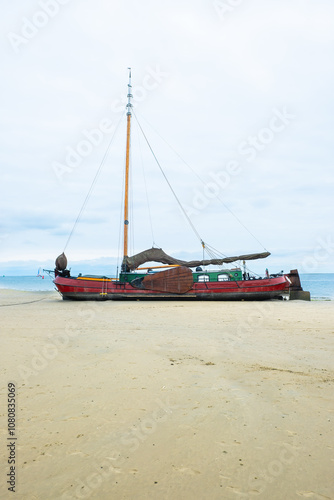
<point>172,400</point>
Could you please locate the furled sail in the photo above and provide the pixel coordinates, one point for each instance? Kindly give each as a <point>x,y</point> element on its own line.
<point>158,255</point>
<point>61,262</point>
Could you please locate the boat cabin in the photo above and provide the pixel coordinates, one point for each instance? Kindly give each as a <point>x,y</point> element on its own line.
<point>198,276</point>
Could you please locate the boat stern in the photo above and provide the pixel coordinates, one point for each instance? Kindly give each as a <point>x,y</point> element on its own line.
<point>296,291</point>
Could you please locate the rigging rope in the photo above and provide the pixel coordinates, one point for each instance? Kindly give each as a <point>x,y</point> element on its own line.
<point>146,191</point>
<point>204,184</point>
<point>169,184</point>
<point>131,212</point>
<point>215,252</point>
<point>93,183</point>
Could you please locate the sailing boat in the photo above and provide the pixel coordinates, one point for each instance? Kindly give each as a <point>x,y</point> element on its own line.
<point>174,279</point>
<point>39,273</point>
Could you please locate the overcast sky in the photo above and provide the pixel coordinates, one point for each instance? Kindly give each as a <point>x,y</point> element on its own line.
<point>241,90</point>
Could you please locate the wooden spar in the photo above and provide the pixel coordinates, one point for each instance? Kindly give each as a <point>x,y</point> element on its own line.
<point>127,166</point>
<point>126,195</point>
<point>157,267</point>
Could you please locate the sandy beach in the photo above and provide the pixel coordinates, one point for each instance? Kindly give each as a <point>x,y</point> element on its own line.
<point>173,400</point>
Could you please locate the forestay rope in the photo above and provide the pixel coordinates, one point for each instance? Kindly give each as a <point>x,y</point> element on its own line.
<point>204,184</point>
<point>169,184</point>
<point>93,183</point>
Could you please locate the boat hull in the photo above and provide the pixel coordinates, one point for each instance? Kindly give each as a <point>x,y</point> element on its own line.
<point>106,289</point>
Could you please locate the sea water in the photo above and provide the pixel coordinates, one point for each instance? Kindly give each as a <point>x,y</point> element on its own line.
<point>27,283</point>
<point>321,286</point>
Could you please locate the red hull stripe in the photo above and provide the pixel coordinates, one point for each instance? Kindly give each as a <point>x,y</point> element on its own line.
<point>73,287</point>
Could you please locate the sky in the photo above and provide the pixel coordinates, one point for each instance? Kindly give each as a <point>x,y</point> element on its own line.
<point>235,98</point>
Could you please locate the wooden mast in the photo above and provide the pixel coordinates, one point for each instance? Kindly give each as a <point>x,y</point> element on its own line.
<point>127,164</point>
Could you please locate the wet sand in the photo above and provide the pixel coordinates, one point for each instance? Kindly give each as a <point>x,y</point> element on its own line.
<point>173,400</point>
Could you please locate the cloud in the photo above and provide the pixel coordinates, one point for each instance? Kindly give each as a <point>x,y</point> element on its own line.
<point>225,77</point>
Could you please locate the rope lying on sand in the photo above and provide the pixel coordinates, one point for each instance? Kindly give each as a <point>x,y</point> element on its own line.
<point>21,303</point>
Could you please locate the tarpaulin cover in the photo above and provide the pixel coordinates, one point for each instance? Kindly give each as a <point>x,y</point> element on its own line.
<point>158,255</point>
